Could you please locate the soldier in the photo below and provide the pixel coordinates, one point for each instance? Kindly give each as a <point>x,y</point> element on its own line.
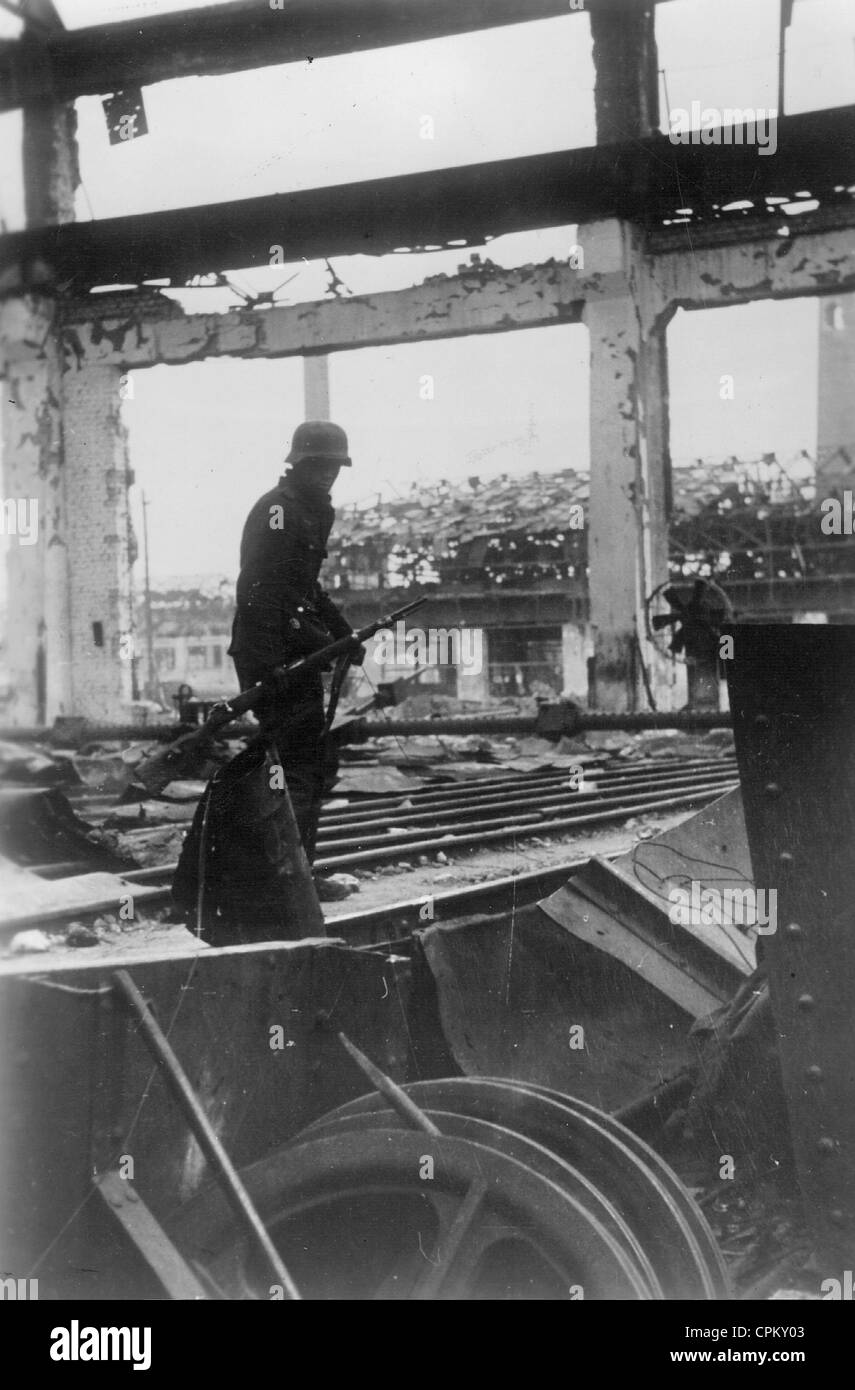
<point>283,613</point>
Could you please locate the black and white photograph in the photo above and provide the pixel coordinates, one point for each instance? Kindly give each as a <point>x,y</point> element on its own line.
<point>427,663</point>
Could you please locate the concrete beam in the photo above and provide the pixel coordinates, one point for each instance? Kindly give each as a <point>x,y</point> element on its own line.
<point>480,301</point>
<point>131,331</point>
<point>624,296</point>
<point>772,267</point>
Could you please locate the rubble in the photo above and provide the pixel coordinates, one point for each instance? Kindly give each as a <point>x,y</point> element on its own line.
<point>25,942</point>
<point>31,764</point>
<point>79,935</point>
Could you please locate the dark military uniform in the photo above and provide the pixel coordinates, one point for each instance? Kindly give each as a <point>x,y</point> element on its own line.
<point>282,614</point>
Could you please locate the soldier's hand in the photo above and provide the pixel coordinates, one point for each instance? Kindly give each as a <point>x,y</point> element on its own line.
<point>357,655</point>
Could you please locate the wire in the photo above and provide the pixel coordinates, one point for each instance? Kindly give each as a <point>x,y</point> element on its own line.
<point>731,875</point>
<point>384,712</point>
<point>66,989</point>
<point>645,676</point>
<point>88,200</point>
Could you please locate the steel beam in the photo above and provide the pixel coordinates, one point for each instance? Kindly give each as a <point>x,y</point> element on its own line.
<point>203,1131</point>
<point>637,180</point>
<point>792,689</point>
<point>149,1238</point>
<point>220,39</point>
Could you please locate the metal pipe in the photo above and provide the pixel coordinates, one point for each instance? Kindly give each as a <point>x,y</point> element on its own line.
<point>587,721</point>
<point>396,1095</point>
<point>206,1137</point>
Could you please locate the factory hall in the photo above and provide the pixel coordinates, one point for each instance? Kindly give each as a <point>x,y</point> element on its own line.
<point>427,667</point>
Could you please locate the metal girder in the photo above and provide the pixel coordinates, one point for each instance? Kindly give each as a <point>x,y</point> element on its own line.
<point>237,37</point>
<point>792,693</point>
<point>698,971</point>
<point>149,1237</point>
<point>206,1136</point>
<point>639,180</point>
<point>373,216</point>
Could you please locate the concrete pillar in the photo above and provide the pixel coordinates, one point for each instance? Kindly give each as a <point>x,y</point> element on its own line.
<point>835,414</point>
<point>38,656</point>
<point>474,684</point>
<point>575,650</point>
<point>626,91</point>
<point>655,502</point>
<point>627,516</point>
<point>38,626</point>
<point>316,387</point>
<point>51,169</point>
<point>98,537</point>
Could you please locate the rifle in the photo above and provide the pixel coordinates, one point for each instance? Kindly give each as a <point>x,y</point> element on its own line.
<point>162,767</point>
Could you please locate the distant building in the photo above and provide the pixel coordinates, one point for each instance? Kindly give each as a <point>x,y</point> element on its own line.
<point>191,622</point>
<point>506,560</point>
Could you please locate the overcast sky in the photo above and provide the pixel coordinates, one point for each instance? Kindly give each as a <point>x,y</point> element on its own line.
<point>206,439</point>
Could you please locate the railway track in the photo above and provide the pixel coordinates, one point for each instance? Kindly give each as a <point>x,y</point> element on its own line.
<point>457,817</point>
<point>381,828</point>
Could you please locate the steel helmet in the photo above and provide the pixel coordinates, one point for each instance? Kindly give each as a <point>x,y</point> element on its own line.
<point>319,439</point>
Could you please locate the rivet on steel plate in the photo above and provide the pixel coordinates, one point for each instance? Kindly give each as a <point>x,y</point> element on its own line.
<point>762,721</point>
<point>772,789</point>
<point>785,858</point>
<point>837,1217</point>
<point>825,1145</point>
<point>793,929</point>
<point>814,1073</point>
<point>806,1001</point>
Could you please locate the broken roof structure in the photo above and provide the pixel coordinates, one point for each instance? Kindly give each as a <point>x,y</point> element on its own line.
<point>662,224</point>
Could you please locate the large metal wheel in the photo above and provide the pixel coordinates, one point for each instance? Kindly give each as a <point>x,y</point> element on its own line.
<point>364,1216</point>
<point>680,1199</point>
<point>667,1223</point>
<point>522,1148</point>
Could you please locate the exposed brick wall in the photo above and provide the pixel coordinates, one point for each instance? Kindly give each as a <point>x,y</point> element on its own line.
<point>37,626</point>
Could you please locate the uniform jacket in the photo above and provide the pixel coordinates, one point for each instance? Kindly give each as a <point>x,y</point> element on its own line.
<point>282,612</point>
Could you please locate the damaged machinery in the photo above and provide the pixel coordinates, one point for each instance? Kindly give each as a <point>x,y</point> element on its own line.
<point>492,1099</point>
